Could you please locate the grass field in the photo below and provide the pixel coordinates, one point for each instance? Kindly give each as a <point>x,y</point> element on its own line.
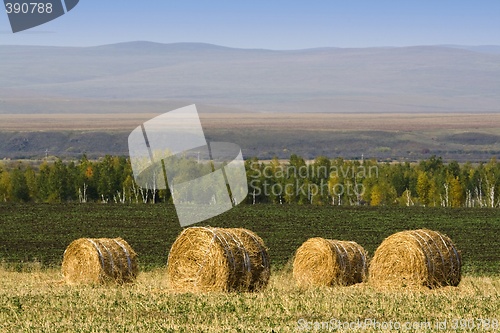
<point>32,298</point>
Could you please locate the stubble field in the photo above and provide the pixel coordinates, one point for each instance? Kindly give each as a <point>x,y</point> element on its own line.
<point>33,297</point>
<point>36,302</point>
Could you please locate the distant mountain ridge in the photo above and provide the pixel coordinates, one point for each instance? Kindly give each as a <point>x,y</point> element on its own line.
<point>446,78</point>
<point>489,49</point>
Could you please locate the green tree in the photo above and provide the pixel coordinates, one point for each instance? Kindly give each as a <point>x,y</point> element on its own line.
<point>399,175</point>
<point>432,165</point>
<point>31,181</point>
<point>20,190</point>
<point>58,182</point>
<point>86,181</point>
<point>43,182</point>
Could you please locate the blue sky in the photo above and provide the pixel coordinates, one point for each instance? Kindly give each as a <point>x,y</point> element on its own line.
<point>270,24</point>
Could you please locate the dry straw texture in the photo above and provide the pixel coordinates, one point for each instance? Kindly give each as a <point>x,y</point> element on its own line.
<point>416,258</point>
<point>99,260</point>
<point>326,262</point>
<point>204,259</point>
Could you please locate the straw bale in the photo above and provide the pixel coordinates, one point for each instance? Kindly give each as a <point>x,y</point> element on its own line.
<point>326,262</point>
<point>99,260</point>
<point>204,259</point>
<point>416,258</point>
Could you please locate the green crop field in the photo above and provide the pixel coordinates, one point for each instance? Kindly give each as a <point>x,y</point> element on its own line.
<point>41,232</point>
<point>33,299</point>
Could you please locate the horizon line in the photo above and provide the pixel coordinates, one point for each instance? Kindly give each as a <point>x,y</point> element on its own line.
<point>255,48</point>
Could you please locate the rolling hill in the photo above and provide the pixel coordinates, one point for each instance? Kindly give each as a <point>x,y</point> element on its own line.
<point>136,76</point>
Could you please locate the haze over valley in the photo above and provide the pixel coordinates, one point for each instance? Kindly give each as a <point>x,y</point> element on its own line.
<point>150,77</point>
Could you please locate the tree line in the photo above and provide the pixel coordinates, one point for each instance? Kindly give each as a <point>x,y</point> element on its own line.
<point>323,181</point>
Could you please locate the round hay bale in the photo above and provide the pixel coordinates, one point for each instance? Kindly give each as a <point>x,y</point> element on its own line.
<point>204,259</point>
<point>326,262</point>
<point>416,258</point>
<point>99,260</point>
<point>258,256</point>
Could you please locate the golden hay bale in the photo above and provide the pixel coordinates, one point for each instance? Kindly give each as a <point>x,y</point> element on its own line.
<point>98,260</point>
<point>258,256</point>
<point>416,258</point>
<point>326,262</point>
<point>206,259</point>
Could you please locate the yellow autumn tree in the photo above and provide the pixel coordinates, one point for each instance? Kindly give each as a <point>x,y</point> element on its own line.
<point>456,192</point>
<point>377,196</point>
<point>423,188</point>
<point>5,186</point>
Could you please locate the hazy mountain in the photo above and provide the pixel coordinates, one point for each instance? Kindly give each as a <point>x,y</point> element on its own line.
<point>105,78</point>
<point>490,49</point>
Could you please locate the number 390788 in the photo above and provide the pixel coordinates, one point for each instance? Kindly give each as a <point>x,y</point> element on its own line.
<point>28,8</point>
